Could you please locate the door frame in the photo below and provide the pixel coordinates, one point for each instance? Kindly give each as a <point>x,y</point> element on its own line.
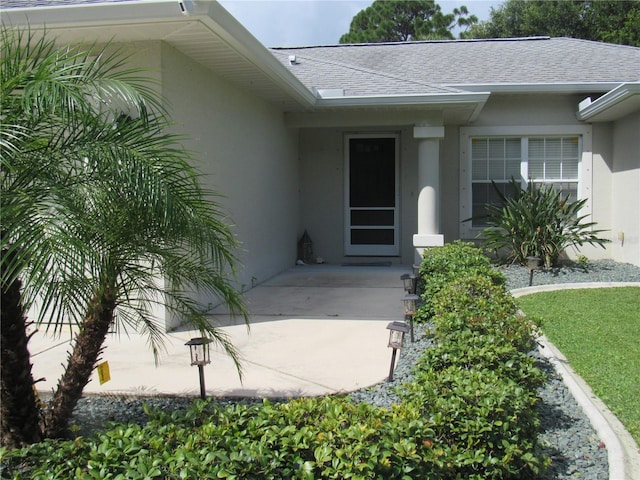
<point>371,250</point>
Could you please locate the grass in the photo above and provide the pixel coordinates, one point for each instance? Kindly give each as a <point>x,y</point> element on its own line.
<point>598,330</point>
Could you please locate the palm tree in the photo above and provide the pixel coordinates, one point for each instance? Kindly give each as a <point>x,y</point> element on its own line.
<point>104,216</point>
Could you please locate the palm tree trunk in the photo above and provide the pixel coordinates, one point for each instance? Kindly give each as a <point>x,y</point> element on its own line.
<point>86,351</point>
<point>19,414</point>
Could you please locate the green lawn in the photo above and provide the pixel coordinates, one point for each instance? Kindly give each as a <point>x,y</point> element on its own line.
<point>598,330</point>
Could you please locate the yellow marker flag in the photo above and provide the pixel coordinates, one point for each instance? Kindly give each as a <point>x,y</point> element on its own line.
<point>103,372</point>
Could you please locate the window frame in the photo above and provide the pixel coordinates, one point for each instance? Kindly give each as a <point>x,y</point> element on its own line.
<point>585,163</point>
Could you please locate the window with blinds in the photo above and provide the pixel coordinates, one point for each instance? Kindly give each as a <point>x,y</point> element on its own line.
<point>548,160</point>
<point>555,161</point>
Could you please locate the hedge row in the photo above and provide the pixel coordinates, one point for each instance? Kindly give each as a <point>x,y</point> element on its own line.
<point>468,413</point>
<point>478,383</point>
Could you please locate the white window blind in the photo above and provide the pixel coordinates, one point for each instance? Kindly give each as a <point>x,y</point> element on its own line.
<point>496,159</point>
<point>548,160</point>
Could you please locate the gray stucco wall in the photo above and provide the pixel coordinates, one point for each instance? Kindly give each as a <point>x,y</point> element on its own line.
<point>322,177</point>
<point>625,212</point>
<point>608,162</point>
<point>249,157</point>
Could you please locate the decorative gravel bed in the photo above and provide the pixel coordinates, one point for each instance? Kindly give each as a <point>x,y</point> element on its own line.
<point>566,434</point>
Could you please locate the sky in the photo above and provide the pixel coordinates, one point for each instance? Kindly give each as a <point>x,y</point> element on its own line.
<point>294,23</point>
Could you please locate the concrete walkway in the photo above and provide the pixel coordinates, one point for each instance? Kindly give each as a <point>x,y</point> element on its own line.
<point>316,329</point>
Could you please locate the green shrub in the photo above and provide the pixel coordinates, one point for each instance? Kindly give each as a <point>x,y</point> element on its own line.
<point>469,412</point>
<point>441,265</point>
<point>484,424</point>
<point>475,303</point>
<point>307,438</point>
<point>537,222</point>
<point>473,294</point>
<point>474,350</point>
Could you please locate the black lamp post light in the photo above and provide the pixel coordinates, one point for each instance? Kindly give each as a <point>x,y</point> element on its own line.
<point>200,356</point>
<point>410,283</point>
<point>396,338</point>
<point>410,308</point>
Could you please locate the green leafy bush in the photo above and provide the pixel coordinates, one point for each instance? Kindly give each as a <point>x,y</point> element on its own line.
<point>484,424</point>
<point>441,265</point>
<point>537,222</point>
<point>473,294</point>
<point>473,350</point>
<point>469,413</point>
<point>475,303</point>
<point>477,384</point>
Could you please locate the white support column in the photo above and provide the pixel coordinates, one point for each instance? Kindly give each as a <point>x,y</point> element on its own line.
<point>429,188</point>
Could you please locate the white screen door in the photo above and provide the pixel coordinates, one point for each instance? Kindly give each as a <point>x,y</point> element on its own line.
<point>371,195</point>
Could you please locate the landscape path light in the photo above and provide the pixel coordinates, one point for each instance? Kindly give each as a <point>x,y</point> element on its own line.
<point>396,338</point>
<point>532,264</point>
<point>410,282</point>
<point>200,356</point>
<point>410,309</point>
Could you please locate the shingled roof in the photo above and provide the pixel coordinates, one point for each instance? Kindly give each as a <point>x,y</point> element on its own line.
<point>464,64</point>
<point>354,80</point>
<point>434,73</point>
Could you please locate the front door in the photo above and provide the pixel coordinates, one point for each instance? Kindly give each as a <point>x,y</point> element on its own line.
<point>371,195</point>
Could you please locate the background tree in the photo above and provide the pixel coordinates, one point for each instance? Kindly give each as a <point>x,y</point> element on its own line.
<point>613,21</point>
<point>103,219</point>
<point>401,21</point>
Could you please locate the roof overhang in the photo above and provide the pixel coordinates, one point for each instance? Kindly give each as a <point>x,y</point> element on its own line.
<point>527,88</point>
<point>617,103</point>
<point>404,100</point>
<point>207,33</point>
<point>392,110</point>
<point>202,30</point>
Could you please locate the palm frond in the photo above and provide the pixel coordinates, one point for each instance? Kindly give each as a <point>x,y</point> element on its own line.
<point>91,199</point>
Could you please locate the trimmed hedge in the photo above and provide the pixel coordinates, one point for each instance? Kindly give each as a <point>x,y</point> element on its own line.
<point>474,303</point>
<point>442,265</point>
<point>469,412</point>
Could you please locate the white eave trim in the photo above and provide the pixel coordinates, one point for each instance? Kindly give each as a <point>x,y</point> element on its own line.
<point>99,13</point>
<point>476,101</point>
<point>242,40</point>
<point>403,100</point>
<point>537,87</point>
<point>614,98</point>
<point>210,13</point>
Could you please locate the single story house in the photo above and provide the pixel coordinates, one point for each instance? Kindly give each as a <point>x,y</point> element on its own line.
<point>377,150</point>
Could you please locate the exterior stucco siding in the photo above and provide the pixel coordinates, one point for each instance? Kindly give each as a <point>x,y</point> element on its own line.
<point>601,189</point>
<point>322,174</point>
<point>247,155</point>
<point>503,109</point>
<point>449,181</point>
<point>625,191</point>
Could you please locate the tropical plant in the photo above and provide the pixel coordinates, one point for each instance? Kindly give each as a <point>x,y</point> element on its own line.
<point>103,218</point>
<point>537,222</point>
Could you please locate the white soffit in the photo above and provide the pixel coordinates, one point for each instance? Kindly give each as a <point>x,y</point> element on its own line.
<point>207,33</point>
<point>619,102</point>
<point>204,31</point>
